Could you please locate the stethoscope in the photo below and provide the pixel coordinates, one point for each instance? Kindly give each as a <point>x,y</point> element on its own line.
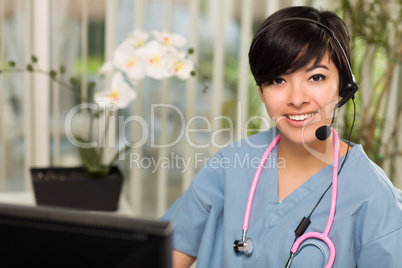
<point>246,245</point>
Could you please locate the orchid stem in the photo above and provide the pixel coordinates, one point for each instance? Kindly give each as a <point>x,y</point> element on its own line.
<point>101,148</point>
<point>91,126</point>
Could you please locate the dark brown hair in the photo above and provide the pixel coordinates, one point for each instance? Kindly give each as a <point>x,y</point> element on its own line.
<point>283,46</point>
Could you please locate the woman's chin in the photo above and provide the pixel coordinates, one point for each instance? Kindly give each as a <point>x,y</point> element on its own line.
<point>299,136</point>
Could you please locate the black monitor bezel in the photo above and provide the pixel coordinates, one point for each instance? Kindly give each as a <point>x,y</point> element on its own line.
<point>85,225</point>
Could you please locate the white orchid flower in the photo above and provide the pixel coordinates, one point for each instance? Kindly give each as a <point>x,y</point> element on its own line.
<point>121,93</point>
<point>155,62</point>
<point>138,38</point>
<point>179,65</point>
<point>169,40</point>
<point>127,60</point>
<point>106,68</point>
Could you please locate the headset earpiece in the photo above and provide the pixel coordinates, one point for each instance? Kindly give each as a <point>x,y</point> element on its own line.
<point>348,93</point>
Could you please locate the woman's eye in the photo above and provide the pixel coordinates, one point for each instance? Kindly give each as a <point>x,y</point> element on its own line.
<point>317,77</point>
<point>278,81</point>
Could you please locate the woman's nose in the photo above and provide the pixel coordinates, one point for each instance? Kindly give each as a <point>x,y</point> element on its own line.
<point>298,95</point>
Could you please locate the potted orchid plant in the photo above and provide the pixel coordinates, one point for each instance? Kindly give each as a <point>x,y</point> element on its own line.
<point>157,55</point>
<point>137,57</point>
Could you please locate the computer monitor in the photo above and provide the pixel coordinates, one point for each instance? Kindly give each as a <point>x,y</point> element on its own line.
<point>53,237</point>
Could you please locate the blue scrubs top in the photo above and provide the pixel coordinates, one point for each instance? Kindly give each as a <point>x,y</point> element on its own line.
<point>208,217</point>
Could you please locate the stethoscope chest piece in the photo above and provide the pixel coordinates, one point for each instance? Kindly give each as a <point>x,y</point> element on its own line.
<point>246,246</point>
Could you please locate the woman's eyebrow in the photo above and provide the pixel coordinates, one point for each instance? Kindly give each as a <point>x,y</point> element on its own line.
<point>315,67</point>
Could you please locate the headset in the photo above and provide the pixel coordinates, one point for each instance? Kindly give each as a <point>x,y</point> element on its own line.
<point>351,86</point>
<point>245,245</point>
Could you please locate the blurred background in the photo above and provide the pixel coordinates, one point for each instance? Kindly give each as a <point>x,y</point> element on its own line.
<point>212,109</point>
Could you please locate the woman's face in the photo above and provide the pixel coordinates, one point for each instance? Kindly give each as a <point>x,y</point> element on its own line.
<point>302,101</point>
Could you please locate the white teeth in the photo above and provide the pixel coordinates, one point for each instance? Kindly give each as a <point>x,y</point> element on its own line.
<point>300,117</point>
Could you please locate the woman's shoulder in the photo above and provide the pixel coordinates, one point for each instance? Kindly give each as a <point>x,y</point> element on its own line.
<point>364,171</point>
<point>366,181</point>
<point>369,197</point>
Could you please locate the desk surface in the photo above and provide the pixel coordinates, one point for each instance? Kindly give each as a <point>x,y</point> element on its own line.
<point>27,198</point>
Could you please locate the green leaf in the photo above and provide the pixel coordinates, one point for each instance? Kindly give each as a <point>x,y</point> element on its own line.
<point>53,73</point>
<point>89,156</point>
<point>11,63</point>
<point>30,68</point>
<point>73,81</point>
<point>193,73</point>
<point>62,69</point>
<point>91,161</point>
<point>190,50</point>
<point>91,85</point>
<point>96,171</point>
<point>120,152</point>
<point>34,58</point>
<point>97,114</point>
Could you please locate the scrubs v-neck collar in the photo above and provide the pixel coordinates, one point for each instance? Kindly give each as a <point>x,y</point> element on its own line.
<point>275,210</point>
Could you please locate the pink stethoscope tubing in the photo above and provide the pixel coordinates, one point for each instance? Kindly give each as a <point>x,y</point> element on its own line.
<point>321,236</point>
<point>255,181</point>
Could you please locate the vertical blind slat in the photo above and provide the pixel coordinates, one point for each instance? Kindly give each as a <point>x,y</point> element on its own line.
<point>55,86</point>
<point>243,88</point>
<point>110,28</point>
<point>191,91</point>
<point>136,174</point>
<point>27,97</point>
<point>298,2</point>
<point>271,7</point>
<point>40,97</point>
<point>217,70</point>
<point>84,50</point>
<point>162,175</point>
<point>84,60</point>
<point>108,141</point>
<point>2,105</point>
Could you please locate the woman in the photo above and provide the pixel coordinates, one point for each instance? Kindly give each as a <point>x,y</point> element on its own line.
<point>299,58</point>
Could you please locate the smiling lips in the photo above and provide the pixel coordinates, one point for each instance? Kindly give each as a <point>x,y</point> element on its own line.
<point>300,117</point>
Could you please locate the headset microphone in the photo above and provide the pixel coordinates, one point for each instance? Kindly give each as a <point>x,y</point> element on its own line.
<point>322,133</point>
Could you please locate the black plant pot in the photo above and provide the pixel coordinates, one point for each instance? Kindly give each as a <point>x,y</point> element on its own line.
<point>69,187</point>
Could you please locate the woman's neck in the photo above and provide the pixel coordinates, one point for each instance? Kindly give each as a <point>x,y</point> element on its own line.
<point>317,153</point>
<point>301,161</point>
